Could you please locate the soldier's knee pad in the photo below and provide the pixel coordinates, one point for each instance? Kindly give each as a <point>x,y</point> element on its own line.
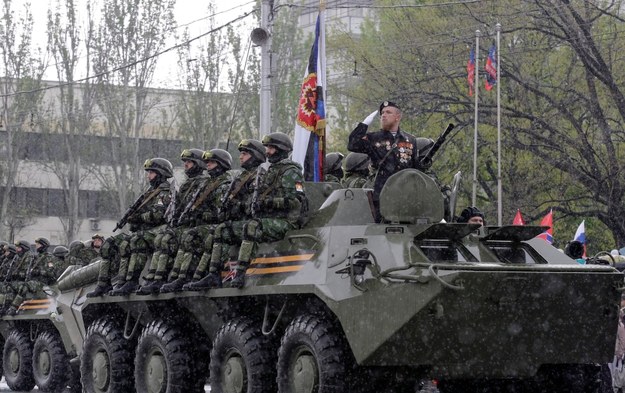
<point>252,230</point>
<point>222,230</point>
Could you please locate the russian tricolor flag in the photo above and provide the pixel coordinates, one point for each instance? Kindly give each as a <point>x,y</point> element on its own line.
<point>547,221</point>
<point>580,236</point>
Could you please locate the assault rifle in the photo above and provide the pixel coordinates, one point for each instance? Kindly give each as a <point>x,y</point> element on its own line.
<point>131,210</point>
<point>189,205</point>
<point>260,172</point>
<point>426,161</point>
<point>9,276</point>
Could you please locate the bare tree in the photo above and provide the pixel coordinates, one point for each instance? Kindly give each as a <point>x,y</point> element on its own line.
<point>22,69</point>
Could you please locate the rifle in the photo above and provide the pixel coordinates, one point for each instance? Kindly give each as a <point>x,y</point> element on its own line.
<point>9,275</point>
<point>189,205</point>
<point>260,172</point>
<point>426,161</point>
<point>130,211</point>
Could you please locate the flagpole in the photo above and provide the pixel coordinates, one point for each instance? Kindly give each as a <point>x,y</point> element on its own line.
<point>476,84</point>
<point>499,187</point>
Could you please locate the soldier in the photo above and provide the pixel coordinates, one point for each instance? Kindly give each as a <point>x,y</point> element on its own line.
<point>96,242</point>
<point>164,241</point>
<point>235,213</point>
<point>204,215</point>
<point>471,215</point>
<point>75,249</point>
<point>146,215</point>
<point>61,253</point>
<point>332,171</point>
<point>41,271</point>
<point>277,206</point>
<point>356,167</point>
<point>11,259</point>
<point>16,274</point>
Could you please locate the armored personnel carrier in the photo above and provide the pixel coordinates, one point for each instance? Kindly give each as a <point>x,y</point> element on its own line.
<point>348,305</point>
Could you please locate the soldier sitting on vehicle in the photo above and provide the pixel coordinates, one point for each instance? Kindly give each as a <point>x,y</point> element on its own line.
<point>204,215</point>
<point>41,271</point>
<point>234,214</point>
<point>8,254</point>
<point>166,240</point>
<point>356,169</point>
<point>145,216</point>
<point>61,253</point>
<point>16,274</point>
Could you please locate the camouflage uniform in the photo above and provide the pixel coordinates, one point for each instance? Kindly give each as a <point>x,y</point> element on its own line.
<point>145,217</point>
<point>16,274</point>
<point>9,260</point>
<point>41,271</point>
<point>332,168</point>
<point>356,169</point>
<point>235,212</point>
<point>167,240</point>
<point>276,207</point>
<point>204,216</point>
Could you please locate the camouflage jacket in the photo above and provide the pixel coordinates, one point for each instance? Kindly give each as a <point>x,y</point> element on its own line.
<point>238,198</point>
<point>151,213</point>
<point>20,268</point>
<point>354,180</point>
<point>7,266</point>
<point>207,206</point>
<point>331,178</point>
<point>42,268</point>
<point>189,191</point>
<point>280,192</point>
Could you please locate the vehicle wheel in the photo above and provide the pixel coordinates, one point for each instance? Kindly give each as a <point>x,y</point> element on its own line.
<point>242,359</point>
<point>313,357</point>
<point>162,361</point>
<point>106,362</point>
<point>17,360</point>
<point>50,362</point>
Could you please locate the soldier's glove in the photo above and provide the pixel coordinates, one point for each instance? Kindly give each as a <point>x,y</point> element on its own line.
<point>370,118</point>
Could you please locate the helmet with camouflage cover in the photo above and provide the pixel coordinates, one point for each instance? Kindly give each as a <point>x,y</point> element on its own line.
<point>356,162</point>
<point>42,242</point>
<point>279,140</point>
<point>76,244</point>
<point>60,251</point>
<point>220,156</point>
<point>194,155</point>
<point>254,147</point>
<point>159,165</point>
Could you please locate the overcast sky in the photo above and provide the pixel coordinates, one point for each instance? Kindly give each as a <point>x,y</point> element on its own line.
<point>188,13</point>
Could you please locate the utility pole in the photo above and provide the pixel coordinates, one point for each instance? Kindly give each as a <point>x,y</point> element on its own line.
<point>261,36</point>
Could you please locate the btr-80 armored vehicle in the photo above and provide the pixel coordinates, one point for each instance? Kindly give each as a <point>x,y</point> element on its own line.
<point>345,305</point>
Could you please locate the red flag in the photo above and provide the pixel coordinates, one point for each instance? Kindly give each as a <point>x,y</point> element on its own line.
<point>471,71</point>
<point>491,68</point>
<point>547,221</point>
<point>518,218</point>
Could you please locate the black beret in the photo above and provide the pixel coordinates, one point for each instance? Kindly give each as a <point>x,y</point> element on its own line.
<point>388,103</point>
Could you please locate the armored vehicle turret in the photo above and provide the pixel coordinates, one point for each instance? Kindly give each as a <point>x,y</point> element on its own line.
<point>349,305</point>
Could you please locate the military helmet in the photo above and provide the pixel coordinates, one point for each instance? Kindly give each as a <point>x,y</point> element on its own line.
<point>76,244</point>
<point>43,241</point>
<point>356,162</point>
<point>194,155</point>
<point>332,162</point>
<point>23,243</point>
<point>10,248</point>
<point>279,140</point>
<point>220,156</point>
<point>254,147</point>
<point>469,212</point>
<point>159,165</point>
<point>60,251</point>
<point>98,236</point>
<point>3,243</point>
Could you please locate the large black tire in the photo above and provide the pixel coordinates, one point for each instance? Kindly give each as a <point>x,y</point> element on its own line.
<point>163,363</point>
<point>17,360</point>
<point>313,357</point>
<point>51,368</point>
<point>106,362</point>
<point>242,359</point>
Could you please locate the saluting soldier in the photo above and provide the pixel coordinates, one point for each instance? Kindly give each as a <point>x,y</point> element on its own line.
<point>145,216</point>
<point>205,216</point>
<point>41,271</point>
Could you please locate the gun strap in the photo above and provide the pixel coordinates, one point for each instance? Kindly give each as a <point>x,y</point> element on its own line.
<point>270,186</point>
<point>239,186</point>
<point>206,193</point>
<point>150,196</point>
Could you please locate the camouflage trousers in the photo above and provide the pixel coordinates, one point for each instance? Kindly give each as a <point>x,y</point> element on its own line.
<point>249,233</point>
<point>115,254</point>
<point>142,245</point>
<point>8,290</point>
<point>166,243</point>
<point>194,244</point>
<point>28,290</point>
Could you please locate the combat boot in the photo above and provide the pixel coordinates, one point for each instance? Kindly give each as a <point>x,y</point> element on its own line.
<point>174,286</point>
<point>11,311</point>
<point>100,290</point>
<point>126,289</point>
<point>150,288</point>
<point>212,280</point>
